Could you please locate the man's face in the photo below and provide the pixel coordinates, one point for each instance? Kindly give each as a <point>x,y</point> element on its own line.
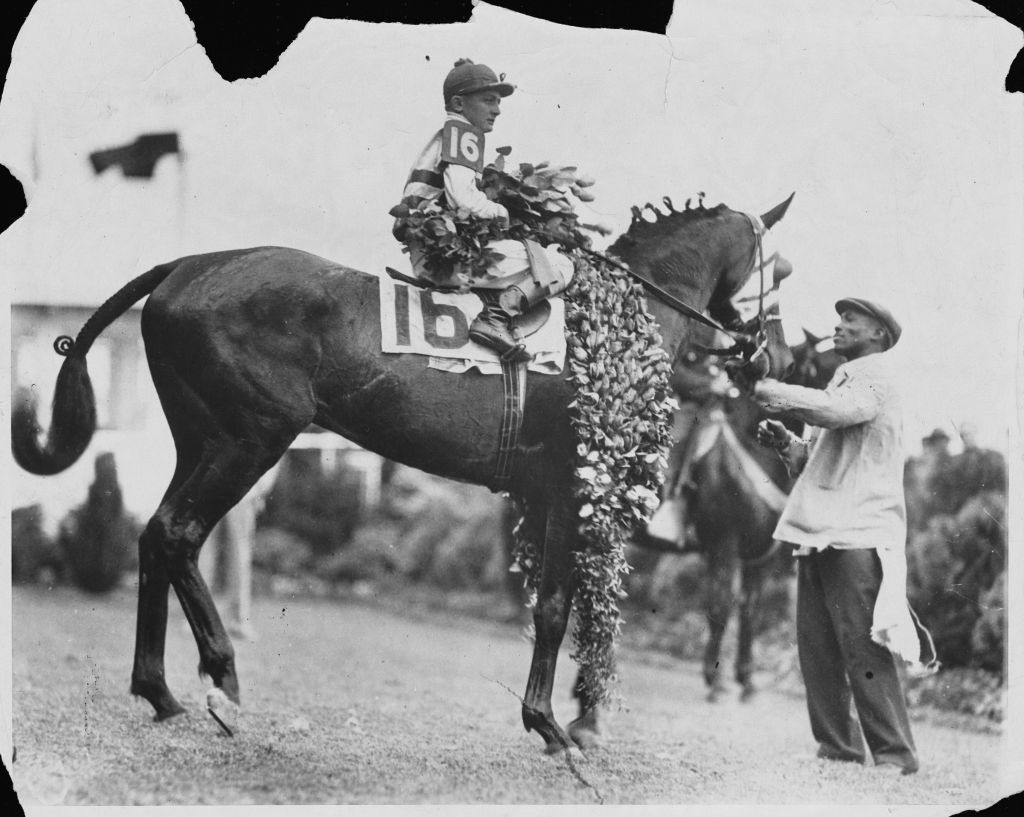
<point>857,334</point>
<point>481,108</point>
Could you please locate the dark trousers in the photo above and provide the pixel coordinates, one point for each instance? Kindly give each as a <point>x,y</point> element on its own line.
<point>836,592</point>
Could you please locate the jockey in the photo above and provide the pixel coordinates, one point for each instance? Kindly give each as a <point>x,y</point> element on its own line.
<point>447,171</point>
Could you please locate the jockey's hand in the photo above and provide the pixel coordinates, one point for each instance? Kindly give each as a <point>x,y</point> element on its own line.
<point>773,434</point>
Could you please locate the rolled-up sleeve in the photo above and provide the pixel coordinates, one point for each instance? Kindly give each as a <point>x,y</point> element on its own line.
<point>855,400</point>
<point>463,194</point>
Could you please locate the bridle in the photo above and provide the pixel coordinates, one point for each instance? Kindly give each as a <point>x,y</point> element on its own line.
<point>744,345</point>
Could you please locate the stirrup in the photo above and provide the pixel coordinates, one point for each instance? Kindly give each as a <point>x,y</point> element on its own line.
<point>517,354</point>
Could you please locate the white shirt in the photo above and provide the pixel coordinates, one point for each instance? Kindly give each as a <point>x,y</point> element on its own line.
<point>850,492</point>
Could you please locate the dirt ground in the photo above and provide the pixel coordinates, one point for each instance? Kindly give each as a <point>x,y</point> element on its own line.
<point>355,703</point>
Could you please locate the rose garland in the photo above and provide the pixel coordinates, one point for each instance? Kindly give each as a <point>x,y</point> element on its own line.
<point>621,417</point>
<point>621,414</point>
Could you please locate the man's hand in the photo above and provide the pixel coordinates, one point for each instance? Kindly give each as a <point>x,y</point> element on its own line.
<point>773,434</point>
<point>746,373</point>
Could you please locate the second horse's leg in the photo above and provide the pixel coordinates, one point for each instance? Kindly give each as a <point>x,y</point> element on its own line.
<point>586,729</point>
<point>750,602</point>
<point>721,599</point>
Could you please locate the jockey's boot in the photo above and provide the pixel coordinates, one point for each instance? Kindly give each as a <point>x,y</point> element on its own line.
<point>493,328</point>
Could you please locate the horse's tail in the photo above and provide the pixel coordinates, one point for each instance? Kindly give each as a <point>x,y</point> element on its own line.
<point>73,415</point>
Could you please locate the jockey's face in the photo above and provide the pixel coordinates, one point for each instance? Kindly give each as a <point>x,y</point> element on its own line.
<point>481,108</point>
<point>858,334</point>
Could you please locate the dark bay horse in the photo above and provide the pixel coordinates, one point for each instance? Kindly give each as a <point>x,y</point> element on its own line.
<point>248,347</point>
<point>738,491</point>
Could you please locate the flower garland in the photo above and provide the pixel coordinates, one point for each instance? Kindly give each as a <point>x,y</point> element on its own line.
<point>455,243</point>
<point>622,419</point>
<point>622,410</point>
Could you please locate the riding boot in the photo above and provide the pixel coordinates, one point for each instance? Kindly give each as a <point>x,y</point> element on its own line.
<point>493,328</point>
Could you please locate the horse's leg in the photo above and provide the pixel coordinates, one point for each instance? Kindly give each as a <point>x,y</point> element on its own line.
<point>585,730</point>
<point>750,602</point>
<point>225,473</point>
<point>550,618</point>
<point>723,572</point>
<point>510,515</point>
<point>151,620</point>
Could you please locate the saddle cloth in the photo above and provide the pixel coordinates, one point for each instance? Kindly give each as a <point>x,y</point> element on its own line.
<point>436,324</point>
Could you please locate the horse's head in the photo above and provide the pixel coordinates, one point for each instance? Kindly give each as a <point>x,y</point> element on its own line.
<point>812,365</point>
<point>714,259</point>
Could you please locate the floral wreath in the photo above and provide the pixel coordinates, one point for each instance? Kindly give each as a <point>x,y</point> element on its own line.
<point>622,408</point>
<point>537,197</point>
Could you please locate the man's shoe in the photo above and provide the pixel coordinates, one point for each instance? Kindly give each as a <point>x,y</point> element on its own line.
<point>493,328</point>
<point>841,757</point>
<point>895,769</point>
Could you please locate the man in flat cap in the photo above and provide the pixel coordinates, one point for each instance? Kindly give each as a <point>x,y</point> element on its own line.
<point>447,171</point>
<point>847,518</point>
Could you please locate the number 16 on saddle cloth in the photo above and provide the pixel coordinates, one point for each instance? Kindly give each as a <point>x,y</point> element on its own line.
<point>436,324</point>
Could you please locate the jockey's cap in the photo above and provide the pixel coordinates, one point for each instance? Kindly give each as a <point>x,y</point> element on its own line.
<point>873,310</point>
<point>467,77</point>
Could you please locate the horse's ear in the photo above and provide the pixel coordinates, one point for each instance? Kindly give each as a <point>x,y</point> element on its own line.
<point>812,339</point>
<point>777,212</point>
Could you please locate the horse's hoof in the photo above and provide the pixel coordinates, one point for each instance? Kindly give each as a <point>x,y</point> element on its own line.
<point>571,753</point>
<point>167,714</point>
<point>223,711</point>
<point>158,696</point>
<point>586,731</point>
<point>715,695</point>
<point>586,739</point>
<point>748,693</point>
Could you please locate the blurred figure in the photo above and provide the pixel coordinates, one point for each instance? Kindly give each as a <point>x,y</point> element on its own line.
<point>226,559</point>
<point>925,478</point>
<point>699,383</point>
<point>976,469</point>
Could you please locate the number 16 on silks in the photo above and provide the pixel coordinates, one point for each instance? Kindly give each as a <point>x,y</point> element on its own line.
<point>462,144</point>
<point>422,324</point>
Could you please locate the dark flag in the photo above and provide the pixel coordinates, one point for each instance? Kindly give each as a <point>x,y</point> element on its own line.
<point>138,159</point>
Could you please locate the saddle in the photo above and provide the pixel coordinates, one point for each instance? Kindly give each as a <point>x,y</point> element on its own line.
<point>526,324</point>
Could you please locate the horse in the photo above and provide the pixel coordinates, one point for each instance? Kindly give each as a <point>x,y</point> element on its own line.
<point>248,347</point>
<point>739,492</point>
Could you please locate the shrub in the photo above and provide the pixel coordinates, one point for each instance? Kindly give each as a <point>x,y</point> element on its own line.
<point>433,530</point>
<point>98,538</point>
<point>280,552</point>
<point>35,557</point>
<point>952,566</point>
<point>987,639</point>
<point>319,506</point>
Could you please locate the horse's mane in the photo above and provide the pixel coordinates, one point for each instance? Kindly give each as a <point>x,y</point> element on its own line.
<point>666,223</point>
<point>673,246</point>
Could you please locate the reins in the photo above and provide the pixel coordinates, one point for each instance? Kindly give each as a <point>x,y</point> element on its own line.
<point>740,339</point>
<point>666,298</point>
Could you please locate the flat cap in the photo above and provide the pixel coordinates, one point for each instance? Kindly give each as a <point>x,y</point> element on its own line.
<point>873,310</point>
